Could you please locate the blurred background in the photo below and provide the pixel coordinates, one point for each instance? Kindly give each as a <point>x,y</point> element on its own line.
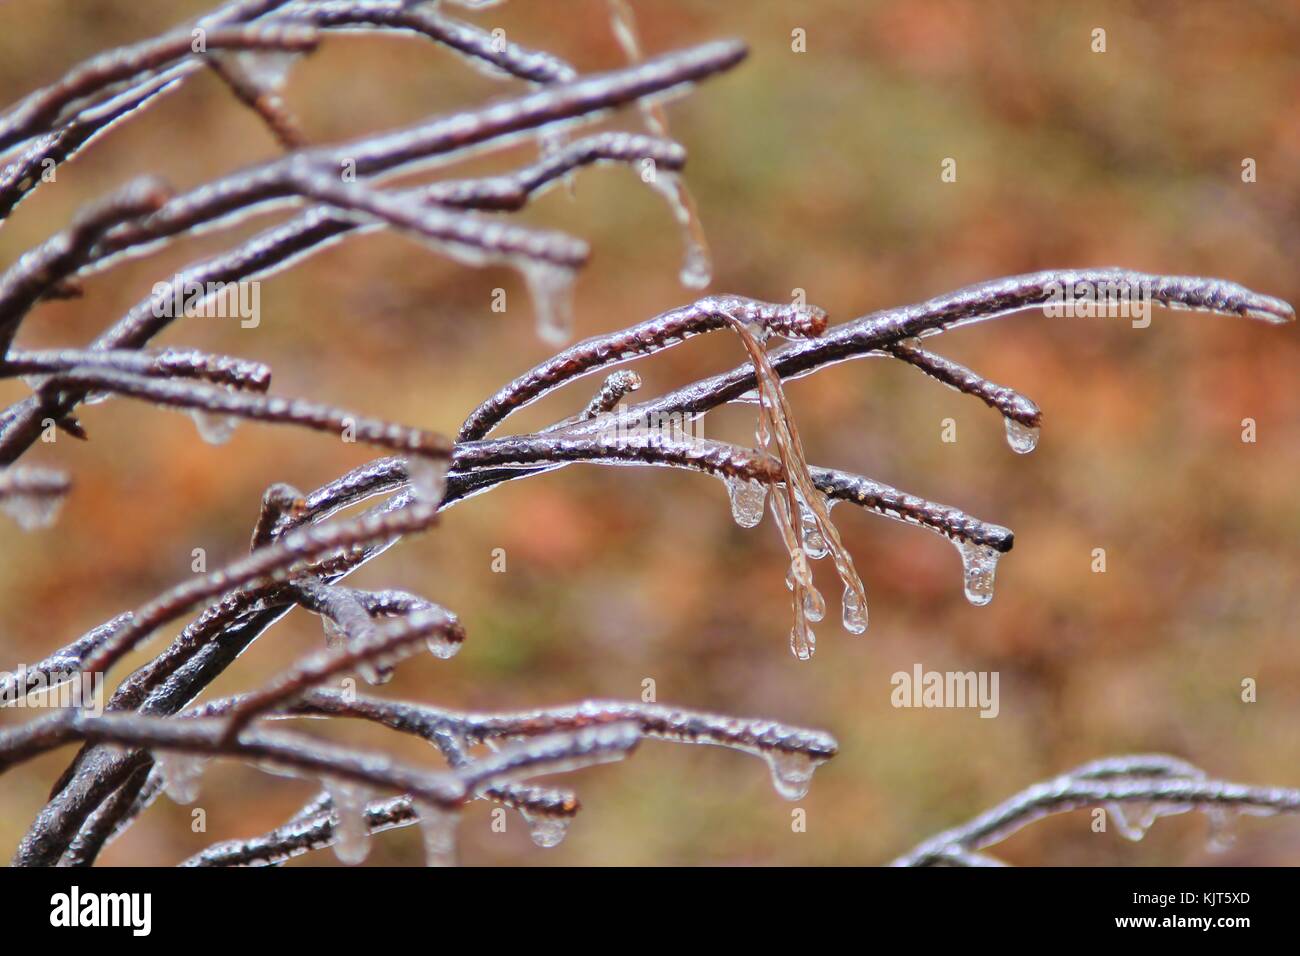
<point>816,170</point>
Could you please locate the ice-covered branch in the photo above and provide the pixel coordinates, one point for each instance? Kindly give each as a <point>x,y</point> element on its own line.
<point>1134,790</point>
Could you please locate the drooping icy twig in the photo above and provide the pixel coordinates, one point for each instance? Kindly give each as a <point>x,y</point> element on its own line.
<point>1023,418</point>
<point>1147,786</point>
<point>798,504</point>
<point>697,263</point>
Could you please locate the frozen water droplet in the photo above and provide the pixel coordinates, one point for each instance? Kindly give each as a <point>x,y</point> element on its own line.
<point>547,830</point>
<point>814,605</point>
<point>180,775</point>
<point>749,398</point>
<point>351,831</point>
<point>438,828</point>
<point>792,772</point>
<point>697,266</point>
<point>428,477</point>
<point>215,429</point>
<point>814,542</point>
<point>440,647</point>
<point>855,611</point>
<point>551,287</point>
<point>748,498</point>
<point>1022,438</point>
<point>803,642</point>
<point>979,566</point>
<point>1128,829</point>
<point>32,512</point>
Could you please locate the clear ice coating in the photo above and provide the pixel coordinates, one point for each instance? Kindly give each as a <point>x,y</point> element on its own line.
<point>546,829</point>
<point>551,287</point>
<point>1022,438</point>
<point>438,830</point>
<point>855,610</point>
<point>792,772</point>
<point>31,511</point>
<point>428,478</point>
<point>697,266</point>
<point>803,644</point>
<point>814,605</point>
<point>215,429</point>
<point>351,831</point>
<point>979,565</point>
<point>748,498</point>
<point>180,775</point>
<point>814,542</point>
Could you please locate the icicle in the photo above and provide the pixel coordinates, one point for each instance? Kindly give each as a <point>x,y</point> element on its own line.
<point>428,477</point>
<point>547,830</point>
<point>748,498</point>
<point>215,429</point>
<point>351,831</point>
<point>438,827</point>
<point>1022,438</point>
<point>32,512</point>
<point>792,772</point>
<point>979,565</point>
<point>697,266</point>
<point>551,287</point>
<point>855,612</point>
<point>180,775</point>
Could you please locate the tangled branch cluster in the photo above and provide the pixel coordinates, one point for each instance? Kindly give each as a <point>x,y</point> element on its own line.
<point>154,737</point>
